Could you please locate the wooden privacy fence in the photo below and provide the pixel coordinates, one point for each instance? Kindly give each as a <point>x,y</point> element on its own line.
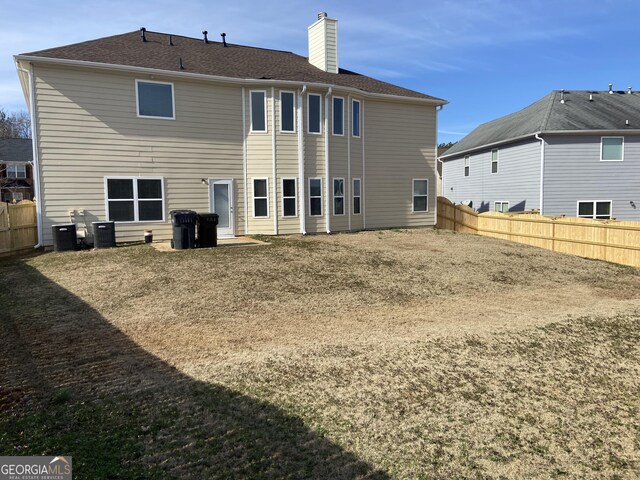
<point>18,229</point>
<point>610,240</point>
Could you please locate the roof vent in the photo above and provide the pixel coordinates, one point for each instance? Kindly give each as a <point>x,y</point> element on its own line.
<point>206,40</point>
<point>562,96</point>
<point>142,34</point>
<point>591,97</point>
<point>629,90</point>
<point>171,40</point>
<point>322,15</point>
<point>224,39</point>
<point>181,65</point>
<point>611,89</point>
<point>626,123</point>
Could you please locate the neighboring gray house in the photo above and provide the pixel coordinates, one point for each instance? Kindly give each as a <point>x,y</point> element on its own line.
<point>574,153</point>
<point>16,179</point>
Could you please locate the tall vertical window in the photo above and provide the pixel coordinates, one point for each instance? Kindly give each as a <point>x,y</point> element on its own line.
<point>16,170</point>
<point>155,99</point>
<point>595,209</point>
<point>612,149</point>
<point>338,196</point>
<point>420,195</point>
<point>315,197</point>
<point>260,197</point>
<point>338,116</point>
<point>289,200</point>
<point>314,113</point>
<point>357,196</point>
<point>135,199</point>
<point>467,162</point>
<point>355,118</point>
<point>494,161</point>
<point>287,112</point>
<point>502,207</point>
<point>258,111</point>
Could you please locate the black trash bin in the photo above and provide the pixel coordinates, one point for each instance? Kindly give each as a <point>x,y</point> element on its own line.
<point>64,237</point>
<point>207,230</point>
<point>183,223</point>
<point>104,234</point>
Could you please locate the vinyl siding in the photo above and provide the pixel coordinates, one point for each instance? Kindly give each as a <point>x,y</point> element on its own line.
<point>399,146</point>
<point>314,166</point>
<point>323,45</point>
<point>88,129</point>
<point>287,167</point>
<point>573,172</point>
<point>517,180</point>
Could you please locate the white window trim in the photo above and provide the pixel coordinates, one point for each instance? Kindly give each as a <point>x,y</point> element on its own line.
<point>309,95</point>
<point>343,196</point>
<point>134,199</point>
<point>295,180</point>
<point>266,124</point>
<point>294,116</point>
<point>253,197</point>
<point>359,118</point>
<point>496,161</point>
<point>353,189</point>
<point>602,149</point>
<point>467,164</point>
<point>593,217</point>
<point>413,196</point>
<point>501,202</point>
<point>333,116</point>
<point>320,197</point>
<point>173,100</point>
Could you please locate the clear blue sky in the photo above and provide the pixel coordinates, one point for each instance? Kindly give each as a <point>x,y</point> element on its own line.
<point>487,57</point>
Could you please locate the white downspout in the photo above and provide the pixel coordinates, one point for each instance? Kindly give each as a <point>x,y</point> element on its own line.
<point>538,137</point>
<point>326,161</point>
<point>244,163</point>
<point>34,146</point>
<point>348,205</point>
<point>303,219</point>
<point>363,200</point>
<point>435,208</point>
<point>273,154</point>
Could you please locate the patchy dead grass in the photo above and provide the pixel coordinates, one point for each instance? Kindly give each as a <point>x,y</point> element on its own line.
<point>402,354</point>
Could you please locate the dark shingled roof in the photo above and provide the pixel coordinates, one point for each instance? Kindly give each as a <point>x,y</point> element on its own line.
<point>605,112</point>
<point>213,58</point>
<point>16,150</point>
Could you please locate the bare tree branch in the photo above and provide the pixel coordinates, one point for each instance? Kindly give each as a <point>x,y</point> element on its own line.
<point>15,125</point>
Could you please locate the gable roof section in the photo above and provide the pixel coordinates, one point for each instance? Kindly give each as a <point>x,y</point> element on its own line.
<point>606,112</point>
<point>16,150</point>
<point>233,61</point>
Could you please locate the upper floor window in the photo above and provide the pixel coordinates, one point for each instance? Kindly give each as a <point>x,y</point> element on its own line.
<point>355,120</point>
<point>155,99</point>
<point>135,199</point>
<point>502,207</point>
<point>314,113</point>
<point>494,161</point>
<point>16,170</point>
<point>612,149</point>
<point>420,195</point>
<point>258,111</point>
<point>287,112</point>
<point>597,209</point>
<point>338,116</point>
<point>467,163</point>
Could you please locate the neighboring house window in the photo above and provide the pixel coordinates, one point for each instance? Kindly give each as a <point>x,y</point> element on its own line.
<point>155,99</point>
<point>338,116</point>
<point>258,111</point>
<point>16,170</point>
<point>501,206</point>
<point>494,161</point>
<point>357,195</point>
<point>314,113</point>
<point>355,120</point>
<point>595,209</point>
<point>467,162</point>
<point>18,196</point>
<point>289,200</point>
<point>287,112</point>
<point>260,197</point>
<point>420,195</point>
<point>315,197</point>
<point>338,196</point>
<point>612,149</point>
<point>135,199</point>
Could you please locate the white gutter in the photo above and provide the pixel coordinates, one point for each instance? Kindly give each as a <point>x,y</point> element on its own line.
<point>446,157</point>
<point>326,160</point>
<point>244,163</point>
<point>219,78</point>
<point>34,146</point>
<point>538,137</point>
<point>273,155</point>
<point>303,219</point>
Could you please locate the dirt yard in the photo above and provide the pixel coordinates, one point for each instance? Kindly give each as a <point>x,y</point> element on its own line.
<point>391,354</point>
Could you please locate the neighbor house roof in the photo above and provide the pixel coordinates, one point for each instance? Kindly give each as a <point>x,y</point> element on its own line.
<point>16,150</point>
<point>213,58</point>
<point>582,110</point>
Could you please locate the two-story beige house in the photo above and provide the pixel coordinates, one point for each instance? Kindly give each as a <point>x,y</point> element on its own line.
<point>130,127</point>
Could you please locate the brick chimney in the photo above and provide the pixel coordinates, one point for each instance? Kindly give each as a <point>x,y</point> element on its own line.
<point>323,43</point>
